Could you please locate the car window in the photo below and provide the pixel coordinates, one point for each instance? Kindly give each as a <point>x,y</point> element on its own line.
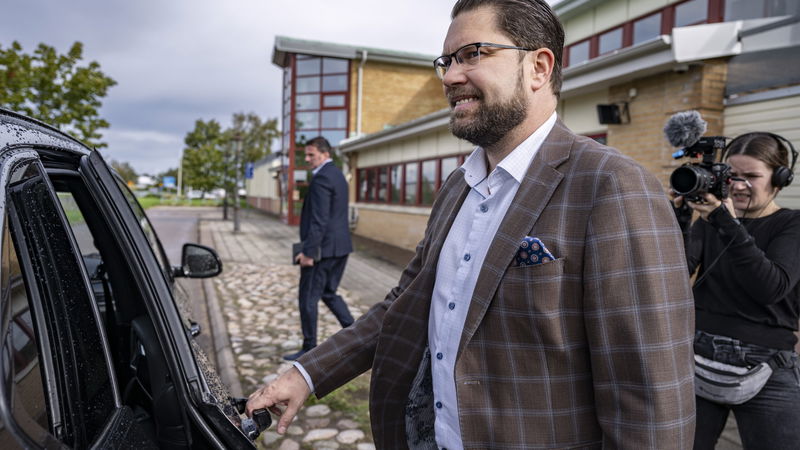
<point>20,355</point>
<point>147,227</point>
<point>56,269</point>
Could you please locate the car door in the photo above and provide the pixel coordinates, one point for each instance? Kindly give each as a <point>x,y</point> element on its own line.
<point>57,385</point>
<point>206,401</point>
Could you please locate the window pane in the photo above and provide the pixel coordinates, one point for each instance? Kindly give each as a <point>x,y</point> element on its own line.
<point>579,53</point>
<point>783,8</point>
<point>336,118</point>
<point>307,84</point>
<point>610,41</point>
<point>21,355</point>
<point>334,65</point>
<point>396,173</point>
<point>330,101</point>
<point>428,181</point>
<point>647,28</point>
<point>743,9</point>
<point>383,179</point>
<point>308,66</point>
<point>448,166</point>
<point>334,83</point>
<point>307,101</point>
<point>334,136</point>
<point>370,195</point>
<point>695,11</point>
<point>411,184</point>
<point>307,120</point>
<point>362,184</point>
<point>303,136</point>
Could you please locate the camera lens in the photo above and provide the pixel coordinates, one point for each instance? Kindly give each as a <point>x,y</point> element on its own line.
<point>690,180</point>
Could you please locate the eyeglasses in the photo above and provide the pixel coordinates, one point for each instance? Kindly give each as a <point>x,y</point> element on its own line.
<point>469,54</point>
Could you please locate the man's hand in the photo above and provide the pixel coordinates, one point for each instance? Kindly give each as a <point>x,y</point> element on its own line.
<point>304,260</point>
<point>289,390</point>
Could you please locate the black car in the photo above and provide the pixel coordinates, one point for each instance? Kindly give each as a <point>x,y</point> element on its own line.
<point>97,347</point>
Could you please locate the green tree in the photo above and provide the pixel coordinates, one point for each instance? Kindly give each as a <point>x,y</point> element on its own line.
<point>203,157</point>
<point>55,89</point>
<point>124,170</point>
<point>256,137</point>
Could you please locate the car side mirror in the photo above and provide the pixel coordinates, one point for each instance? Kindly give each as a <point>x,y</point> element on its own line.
<point>198,261</point>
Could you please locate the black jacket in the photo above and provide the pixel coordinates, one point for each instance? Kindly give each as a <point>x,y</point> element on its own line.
<point>323,221</point>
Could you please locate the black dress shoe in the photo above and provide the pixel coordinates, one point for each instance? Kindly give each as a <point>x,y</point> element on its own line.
<point>294,356</point>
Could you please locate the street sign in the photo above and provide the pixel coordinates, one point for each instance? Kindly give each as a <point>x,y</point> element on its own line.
<point>248,170</point>
<point>169,182</point>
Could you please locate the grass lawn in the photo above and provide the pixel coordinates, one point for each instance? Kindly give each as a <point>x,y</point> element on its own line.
<point>149,201</point>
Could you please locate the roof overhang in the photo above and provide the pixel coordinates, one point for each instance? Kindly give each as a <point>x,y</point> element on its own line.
<point>284,46</point>
<point>424,124</point>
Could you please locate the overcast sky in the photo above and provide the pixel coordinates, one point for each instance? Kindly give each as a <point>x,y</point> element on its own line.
<point>176,61</point>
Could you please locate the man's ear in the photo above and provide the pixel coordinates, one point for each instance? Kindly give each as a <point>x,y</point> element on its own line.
<point>541,67</point>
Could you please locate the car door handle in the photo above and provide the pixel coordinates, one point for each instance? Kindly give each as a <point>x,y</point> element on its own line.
<point>194,328</point>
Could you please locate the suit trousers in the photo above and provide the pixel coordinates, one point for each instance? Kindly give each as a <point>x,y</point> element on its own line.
<point>320,281</point>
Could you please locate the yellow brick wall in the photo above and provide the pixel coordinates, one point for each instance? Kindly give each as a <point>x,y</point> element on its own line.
<point>393,94</point>
<point>657,98</point>
<point>395,228</point>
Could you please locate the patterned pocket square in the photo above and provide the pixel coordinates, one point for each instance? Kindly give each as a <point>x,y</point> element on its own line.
<point>532,251</point>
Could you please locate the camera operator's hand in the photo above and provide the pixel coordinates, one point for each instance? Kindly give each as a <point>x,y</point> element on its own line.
<point>709,203</point>
<point>677,200</point>
<point>290,390</point>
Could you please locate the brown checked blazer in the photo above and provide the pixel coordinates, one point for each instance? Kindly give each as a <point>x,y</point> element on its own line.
<point>591,350</point>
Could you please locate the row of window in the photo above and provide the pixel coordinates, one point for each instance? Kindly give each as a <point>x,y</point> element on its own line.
<point>412,183</point>
<point>690,12</point>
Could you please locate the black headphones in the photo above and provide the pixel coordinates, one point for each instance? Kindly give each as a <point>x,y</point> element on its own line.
<point>782,176</point>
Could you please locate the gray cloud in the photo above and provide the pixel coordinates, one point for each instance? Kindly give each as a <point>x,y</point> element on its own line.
<point>181,60</point>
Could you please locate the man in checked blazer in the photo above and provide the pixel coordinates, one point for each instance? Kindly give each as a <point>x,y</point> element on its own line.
<point>548,304</point>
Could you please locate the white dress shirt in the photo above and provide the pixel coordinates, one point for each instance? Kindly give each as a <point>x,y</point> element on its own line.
<point>460,263</point>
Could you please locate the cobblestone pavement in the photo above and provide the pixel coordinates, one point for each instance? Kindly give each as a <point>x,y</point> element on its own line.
<point>257,294</point>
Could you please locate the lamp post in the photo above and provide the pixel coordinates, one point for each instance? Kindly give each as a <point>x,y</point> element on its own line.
<point>237,137</point>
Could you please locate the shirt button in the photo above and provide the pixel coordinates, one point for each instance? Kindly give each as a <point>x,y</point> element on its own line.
<point>451,305</point>
<point>439,355</point>
<point>439,405</point>
<point>467,257</point>
<point>484,208</point>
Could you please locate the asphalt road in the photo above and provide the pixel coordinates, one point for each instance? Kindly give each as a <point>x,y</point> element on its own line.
<point>176,226</point>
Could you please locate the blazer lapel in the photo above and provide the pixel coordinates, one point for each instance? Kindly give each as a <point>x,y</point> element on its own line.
<point>533,194</point>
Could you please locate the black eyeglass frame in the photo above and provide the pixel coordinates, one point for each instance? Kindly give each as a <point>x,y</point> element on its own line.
<point>439,62</point>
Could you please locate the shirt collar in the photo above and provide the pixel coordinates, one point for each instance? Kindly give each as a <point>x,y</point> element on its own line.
<point>319,167</point>
<point>515,163</point>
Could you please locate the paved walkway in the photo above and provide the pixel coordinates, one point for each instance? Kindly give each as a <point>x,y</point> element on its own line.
<point>257,298</point>
<point>254,305</point>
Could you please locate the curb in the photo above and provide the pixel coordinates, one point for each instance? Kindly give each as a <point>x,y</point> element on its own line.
<point>225,361</point>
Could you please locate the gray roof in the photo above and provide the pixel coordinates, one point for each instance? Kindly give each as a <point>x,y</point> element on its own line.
<point>286,45</point>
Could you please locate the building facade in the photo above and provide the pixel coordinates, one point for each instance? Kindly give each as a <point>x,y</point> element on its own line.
<point>638,62</point>
<point>336,91</point>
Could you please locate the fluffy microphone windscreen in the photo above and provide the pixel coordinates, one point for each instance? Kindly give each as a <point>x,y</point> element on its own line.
<point>685,128</point>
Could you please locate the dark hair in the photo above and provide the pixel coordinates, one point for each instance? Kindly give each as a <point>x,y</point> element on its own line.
<point>528,23</point>
<point>320,143</point>
<point>762,146</point>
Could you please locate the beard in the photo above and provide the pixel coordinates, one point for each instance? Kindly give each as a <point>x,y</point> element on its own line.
<point>492,121</point>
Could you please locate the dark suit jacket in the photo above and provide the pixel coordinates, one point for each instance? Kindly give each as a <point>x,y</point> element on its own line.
<point>323,221</point>
<point>593,349</point>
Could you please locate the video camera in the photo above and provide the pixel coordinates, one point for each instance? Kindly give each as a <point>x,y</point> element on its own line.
<point>693,180</point>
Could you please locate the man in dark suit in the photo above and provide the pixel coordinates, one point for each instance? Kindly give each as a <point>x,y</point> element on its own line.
<point>547,305</point>
<point>325,234</point>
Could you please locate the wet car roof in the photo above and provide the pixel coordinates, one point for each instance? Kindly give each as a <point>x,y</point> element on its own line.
<point>16,129</point>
